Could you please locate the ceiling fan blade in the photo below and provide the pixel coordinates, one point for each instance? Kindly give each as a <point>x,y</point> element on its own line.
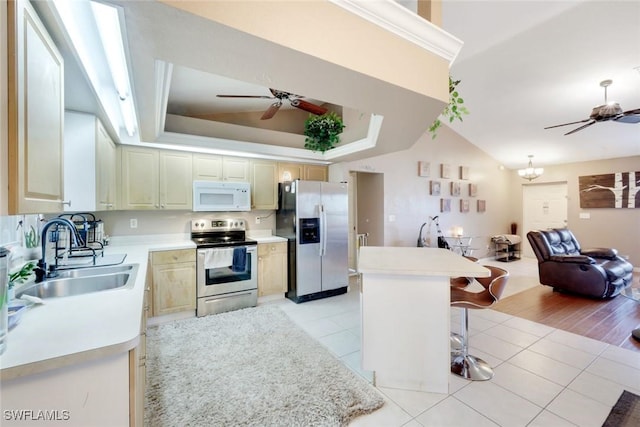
<point>580,128</point>
<point>631,116</point>
<point>308,106</point>
<point>245,96</point>
<point>565,124</point>
<point>271,111</point>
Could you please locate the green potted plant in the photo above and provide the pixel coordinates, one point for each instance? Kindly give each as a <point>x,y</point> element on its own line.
<point>20,276</point>
<point>454,109</point>
<point>31,243</point>
<point>322,131</point>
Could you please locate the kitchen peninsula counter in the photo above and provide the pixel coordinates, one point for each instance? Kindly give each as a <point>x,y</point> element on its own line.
<point>405,314</point>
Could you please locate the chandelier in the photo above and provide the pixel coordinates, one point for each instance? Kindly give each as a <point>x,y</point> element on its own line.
<point>530,172</point>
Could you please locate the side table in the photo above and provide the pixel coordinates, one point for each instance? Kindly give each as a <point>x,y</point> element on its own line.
<point>506,247</point>
<point>633,292</point>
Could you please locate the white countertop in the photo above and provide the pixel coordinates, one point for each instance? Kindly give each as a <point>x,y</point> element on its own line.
<point>414,261</point>
<point>264,236</point>
<point>64,331</point>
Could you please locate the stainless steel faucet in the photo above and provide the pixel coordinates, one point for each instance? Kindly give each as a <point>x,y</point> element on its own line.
<point>42,271</point>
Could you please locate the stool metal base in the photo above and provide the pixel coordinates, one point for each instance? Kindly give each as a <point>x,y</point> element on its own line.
<point>471,368</point>
<point>456,342</point>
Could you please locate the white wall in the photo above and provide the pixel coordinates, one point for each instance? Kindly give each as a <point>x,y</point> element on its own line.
<point>407,195</point>
<point>606,227</point>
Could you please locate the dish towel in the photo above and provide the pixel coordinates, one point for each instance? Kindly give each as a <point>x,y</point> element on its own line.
<point>217,258</point>
<point>239,259</point>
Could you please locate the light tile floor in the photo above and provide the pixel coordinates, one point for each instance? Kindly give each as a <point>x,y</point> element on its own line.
<point>543,376</point>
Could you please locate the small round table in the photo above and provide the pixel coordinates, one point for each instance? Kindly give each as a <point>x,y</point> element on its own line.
<point>633,292</point>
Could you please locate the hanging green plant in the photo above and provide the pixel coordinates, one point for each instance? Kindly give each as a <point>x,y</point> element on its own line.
<point>322,131</point>
<point>454,110</point>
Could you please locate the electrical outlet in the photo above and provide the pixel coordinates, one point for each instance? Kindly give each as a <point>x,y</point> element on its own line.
<point>133,223</point>
<point>257,220</point>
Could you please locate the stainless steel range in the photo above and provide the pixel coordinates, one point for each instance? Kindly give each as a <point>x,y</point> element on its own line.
<point>226,266</point>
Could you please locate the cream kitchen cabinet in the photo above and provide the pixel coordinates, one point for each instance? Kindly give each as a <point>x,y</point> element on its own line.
<point>156,179</point>
<point>36,114</point>
<point>174,281</point>
<point>264,184</point>
<point>316,173</point>
<point>212,167</point>
<point>138,367</point>
<point>207,167</point>
<point>235,169</point>
<point>90,164</point>
<point>272,268</point>
<point>290,171</point>
<point>307,172</point>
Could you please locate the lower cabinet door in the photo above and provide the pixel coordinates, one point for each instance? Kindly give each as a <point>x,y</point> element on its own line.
<point>174,288</point>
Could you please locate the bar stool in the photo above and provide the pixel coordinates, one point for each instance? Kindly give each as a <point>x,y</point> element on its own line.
<point>462,363</point>
<point>460,282</point>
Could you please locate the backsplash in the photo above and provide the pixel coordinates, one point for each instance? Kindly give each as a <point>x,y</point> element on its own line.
<point>118,223</point>
<point>12,237</point>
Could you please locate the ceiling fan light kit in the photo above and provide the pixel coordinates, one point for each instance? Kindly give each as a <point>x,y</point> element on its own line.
<point>530,173</point>
<point>605,112</point>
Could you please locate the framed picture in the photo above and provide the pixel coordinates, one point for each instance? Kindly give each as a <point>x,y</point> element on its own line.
<point>473,189</point>
<point>445,170</point>
<point>464,172</point>
<point>434,188</point>
<point>424,168</point>
<point>445,205</point>
<point>606,191</point>
<point>482,205</point>
<point>464,205</point>
<point>455,188</point>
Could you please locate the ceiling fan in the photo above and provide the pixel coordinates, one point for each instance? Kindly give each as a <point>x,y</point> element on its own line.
<point>605,112</point>
<point>280,95</point>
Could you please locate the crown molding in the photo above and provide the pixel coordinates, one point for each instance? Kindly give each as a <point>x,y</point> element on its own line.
<point>404,23</point>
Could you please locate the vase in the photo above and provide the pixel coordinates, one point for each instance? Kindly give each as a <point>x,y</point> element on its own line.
<point>514,228</point>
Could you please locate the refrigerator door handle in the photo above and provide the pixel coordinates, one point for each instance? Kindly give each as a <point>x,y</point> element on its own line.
<point>323,230</point>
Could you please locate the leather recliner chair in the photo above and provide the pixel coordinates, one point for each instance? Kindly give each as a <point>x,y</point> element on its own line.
<point>562,264</point>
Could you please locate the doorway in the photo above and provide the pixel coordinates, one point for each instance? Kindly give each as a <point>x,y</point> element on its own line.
<point>366,212</point>
<point>543,206</point>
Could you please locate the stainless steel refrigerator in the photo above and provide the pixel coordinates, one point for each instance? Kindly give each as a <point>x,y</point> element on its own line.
<point>313,217</point>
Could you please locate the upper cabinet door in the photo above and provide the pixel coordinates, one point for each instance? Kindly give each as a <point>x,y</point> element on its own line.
<point>36,114</point>
<point>140,178</point>
<point>106,164</point>
<point>315,173</point>
<point>290,171</point>
<point>235,169</point>
<point>207,167</point>
<point>176,189</point>
<point>264,184</point>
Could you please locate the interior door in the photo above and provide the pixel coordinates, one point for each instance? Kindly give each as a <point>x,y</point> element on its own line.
<point>544,206</point>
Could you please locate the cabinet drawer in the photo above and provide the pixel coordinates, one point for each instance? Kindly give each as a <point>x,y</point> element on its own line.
<point>171,257</point>
<point>265,249</point>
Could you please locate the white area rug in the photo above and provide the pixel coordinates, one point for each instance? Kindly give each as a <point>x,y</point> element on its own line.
<point>251,367</point>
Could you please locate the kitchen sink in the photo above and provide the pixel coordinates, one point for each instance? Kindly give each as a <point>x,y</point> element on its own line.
<point>94,271</point>
<point>83,281</point>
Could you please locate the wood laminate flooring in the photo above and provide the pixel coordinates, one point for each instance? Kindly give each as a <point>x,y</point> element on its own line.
<point>610,321</point>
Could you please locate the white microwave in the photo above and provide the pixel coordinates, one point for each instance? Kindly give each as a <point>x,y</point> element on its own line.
<point>218,196</point>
